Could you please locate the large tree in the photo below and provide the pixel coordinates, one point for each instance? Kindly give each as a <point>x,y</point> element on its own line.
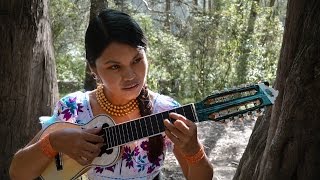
<point>28,87</point>
<point>285,143</point>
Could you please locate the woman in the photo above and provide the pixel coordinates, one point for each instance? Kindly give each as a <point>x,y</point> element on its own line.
<point>116,52</point>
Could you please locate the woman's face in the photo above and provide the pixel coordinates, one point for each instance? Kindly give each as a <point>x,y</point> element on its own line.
<point>122,70</point>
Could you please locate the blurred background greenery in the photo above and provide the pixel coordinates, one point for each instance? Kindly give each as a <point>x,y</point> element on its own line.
<point>195,46</point>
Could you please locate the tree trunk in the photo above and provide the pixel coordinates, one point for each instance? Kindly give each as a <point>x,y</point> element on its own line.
<point>95,8</point>
<point>28,87</point>
<point>285,143</point>
<point>168,12</point>
<point>204,6</point>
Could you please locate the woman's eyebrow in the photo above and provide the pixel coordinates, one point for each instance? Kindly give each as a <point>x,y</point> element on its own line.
<point>111,61</point>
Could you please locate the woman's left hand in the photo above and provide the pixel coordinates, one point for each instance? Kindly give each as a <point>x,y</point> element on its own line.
<point>183,133</point>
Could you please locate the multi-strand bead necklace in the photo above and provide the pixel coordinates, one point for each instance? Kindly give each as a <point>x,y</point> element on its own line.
<point>115,110</point>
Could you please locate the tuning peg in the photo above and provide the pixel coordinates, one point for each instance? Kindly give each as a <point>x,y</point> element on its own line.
<point>260,111</point>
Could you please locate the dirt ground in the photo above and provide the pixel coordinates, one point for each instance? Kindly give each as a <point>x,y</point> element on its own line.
<point>224,145</point>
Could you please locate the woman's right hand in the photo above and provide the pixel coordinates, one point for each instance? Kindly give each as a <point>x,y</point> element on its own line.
<point>82,145</point>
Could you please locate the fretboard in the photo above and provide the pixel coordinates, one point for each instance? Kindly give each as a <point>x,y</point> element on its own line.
<point>144,127</point>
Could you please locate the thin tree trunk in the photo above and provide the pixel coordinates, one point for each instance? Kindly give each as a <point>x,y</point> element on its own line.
<point>28,88</point>
<point>271,4</point>
<point>95,8</point>
<point>168,11</point>
<point>286,143</point>
<point>209,5</point>
<point>242,64</point>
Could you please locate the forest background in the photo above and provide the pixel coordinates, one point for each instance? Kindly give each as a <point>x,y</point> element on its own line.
<point>195,47</point>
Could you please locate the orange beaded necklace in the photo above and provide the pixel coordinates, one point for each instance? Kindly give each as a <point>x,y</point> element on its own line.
<point>114,110</point>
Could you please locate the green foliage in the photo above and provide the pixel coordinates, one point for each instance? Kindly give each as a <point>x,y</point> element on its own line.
<point>68,21</point>
<point>165,52</point>
<point>234,42</point>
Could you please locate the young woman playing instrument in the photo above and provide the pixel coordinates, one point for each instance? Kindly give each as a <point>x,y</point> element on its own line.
<point>116,52</point>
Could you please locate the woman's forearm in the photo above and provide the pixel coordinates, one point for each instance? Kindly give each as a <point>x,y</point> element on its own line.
<point>202,170</point>
<point>28,163</point>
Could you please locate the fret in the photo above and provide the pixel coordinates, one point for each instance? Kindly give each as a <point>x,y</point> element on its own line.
<point>144,127</point>
<point>140,134</point>
<point>130,127</point>
<point>166,115</point>
<point>148,125</point>
<point>123,134</point>
<point>151,122</point>
<point>108,142</point>
<point>134,130</point>
<point>106,137</point>
<point>180,111</point>
<point>119,135</point>
<point>126,128</point>
<point>157,122</point>
<point>113,136</point>
<point>189,113</point>
<point>116,135</point>
<point>159,118</point>
<point>194,113</point>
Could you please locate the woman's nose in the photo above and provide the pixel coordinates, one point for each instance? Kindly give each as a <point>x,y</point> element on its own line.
<point>129,74</point>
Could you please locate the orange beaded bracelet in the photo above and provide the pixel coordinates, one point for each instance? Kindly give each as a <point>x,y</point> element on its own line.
<point>193,159</point>
<point>46,147</point>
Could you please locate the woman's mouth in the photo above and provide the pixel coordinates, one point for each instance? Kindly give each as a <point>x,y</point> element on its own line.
<point>131,86</point>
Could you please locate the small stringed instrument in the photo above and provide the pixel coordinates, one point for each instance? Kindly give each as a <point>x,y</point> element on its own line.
<point>216,107</point>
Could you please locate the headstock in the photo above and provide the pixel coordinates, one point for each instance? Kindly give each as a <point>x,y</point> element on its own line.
<point>235,102</point>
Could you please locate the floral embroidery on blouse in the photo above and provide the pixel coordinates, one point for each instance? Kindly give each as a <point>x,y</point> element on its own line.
<point>69,108</point>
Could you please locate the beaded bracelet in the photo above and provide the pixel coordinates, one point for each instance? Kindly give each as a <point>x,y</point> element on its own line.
<point>193,159</point>
<point>46,147</point>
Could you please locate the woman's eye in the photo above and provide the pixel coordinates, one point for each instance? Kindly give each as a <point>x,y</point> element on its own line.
<point>114,67</point>
<point>137,60</point>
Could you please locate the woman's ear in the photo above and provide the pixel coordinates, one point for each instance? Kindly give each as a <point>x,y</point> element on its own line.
<point>94,73</point>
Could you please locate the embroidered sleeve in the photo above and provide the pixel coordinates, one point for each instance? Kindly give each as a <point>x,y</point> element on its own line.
<point>66,109</point>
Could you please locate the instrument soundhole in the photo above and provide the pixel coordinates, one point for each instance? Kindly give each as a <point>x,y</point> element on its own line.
<point>104,148</point>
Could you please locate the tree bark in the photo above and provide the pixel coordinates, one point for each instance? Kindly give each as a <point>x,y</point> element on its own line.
<point>28,88</point>
<point>285,143</point>
<point>96,7</point>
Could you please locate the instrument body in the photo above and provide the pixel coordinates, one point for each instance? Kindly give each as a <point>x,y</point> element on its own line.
<point>72,169</point>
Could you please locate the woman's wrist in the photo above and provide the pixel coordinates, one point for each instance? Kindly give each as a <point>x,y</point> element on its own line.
<point>46,147</point>
<point>196,156</point>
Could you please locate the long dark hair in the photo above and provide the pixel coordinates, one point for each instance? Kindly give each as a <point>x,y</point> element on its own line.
<point>114,26</point>
<point>111,26</point>
<point>155,143</point>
